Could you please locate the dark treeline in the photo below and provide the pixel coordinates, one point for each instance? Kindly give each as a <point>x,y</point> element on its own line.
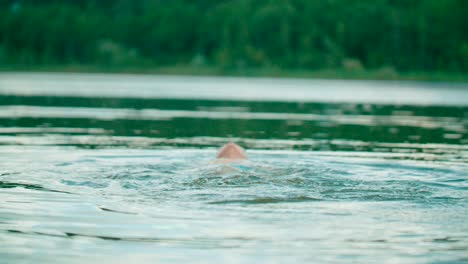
<point>402,35</point>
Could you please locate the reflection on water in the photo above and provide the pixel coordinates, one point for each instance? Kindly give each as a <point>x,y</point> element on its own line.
<point>104,122</point>
<point>94,177</point>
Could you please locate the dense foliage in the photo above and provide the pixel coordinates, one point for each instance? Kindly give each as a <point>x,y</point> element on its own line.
<point>402,35</point>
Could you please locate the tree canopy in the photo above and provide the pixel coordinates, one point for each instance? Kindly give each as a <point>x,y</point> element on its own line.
<point>406,35</point>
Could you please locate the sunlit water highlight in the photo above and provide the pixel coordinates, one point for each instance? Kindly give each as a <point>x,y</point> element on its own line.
<point>94,178</point>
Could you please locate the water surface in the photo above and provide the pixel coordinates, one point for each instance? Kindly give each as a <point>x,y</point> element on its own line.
<point>120,168</point>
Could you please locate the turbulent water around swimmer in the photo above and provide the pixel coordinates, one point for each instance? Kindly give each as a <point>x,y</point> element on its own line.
<point>118,169</point>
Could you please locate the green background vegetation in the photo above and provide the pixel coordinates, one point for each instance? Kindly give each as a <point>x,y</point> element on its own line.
<point>382,39</point>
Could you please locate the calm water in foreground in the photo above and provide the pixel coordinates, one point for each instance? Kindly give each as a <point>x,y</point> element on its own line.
<point>113,169</point>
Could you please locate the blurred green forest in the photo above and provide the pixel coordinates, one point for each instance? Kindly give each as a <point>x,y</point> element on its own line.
<point>388,36</point>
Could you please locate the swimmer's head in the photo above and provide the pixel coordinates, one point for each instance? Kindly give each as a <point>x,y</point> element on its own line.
<point>231,151</point>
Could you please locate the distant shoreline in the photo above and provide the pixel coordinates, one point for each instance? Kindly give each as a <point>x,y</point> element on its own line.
<point>379,74</point>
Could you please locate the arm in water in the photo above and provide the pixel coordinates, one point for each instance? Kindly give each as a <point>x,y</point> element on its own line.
<point>231,152</point>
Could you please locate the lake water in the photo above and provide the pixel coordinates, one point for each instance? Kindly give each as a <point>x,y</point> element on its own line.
<point>120,168</point>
